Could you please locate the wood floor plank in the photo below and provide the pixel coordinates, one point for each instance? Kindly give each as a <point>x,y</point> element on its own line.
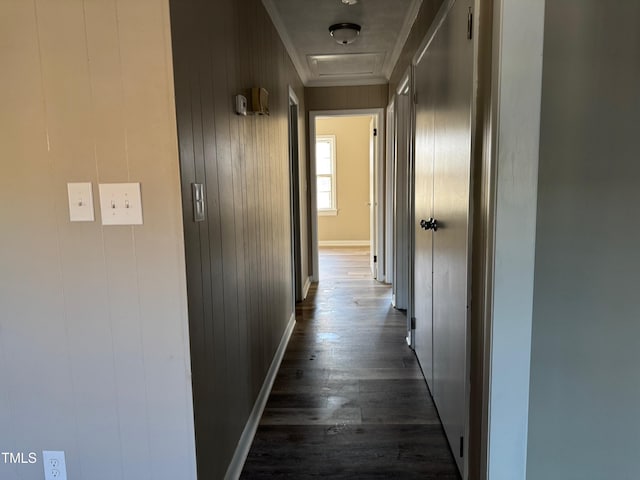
<point>349,400</point>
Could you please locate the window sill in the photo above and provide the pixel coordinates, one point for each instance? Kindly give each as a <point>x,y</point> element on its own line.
<point>330,212</point>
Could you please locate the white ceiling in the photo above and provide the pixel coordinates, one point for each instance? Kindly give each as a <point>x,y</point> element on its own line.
<point>303,26</point>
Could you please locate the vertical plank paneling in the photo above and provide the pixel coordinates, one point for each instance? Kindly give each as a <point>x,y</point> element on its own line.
<point>248,217</point>
<point>224,314</point>
<point>345,98</point>
<point>241,266</point>
<point>196,257</point>
<point>30,284</point>
<point>191,123</point>
<point>65,69</point>
<point>237,413</point>
<point>93,317</point>
<point>111,161</point>
<point>150,133</point>
<point>361,97</point>
<point>241,404</point>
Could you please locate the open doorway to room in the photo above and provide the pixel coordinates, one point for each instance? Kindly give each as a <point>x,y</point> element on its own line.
<point>345,161</point>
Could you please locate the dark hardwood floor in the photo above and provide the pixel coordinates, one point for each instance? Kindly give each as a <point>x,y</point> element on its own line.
<point>349,400</point>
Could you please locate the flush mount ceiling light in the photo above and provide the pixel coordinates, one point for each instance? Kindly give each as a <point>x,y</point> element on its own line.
<point>349,2</point>
<point>344,33</point>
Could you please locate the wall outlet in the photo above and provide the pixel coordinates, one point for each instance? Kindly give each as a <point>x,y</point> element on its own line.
<point>55,467</point>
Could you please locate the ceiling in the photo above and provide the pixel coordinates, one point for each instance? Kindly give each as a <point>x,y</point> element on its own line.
<point>303,26</point>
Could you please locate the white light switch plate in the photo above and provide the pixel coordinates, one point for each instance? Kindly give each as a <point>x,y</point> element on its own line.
<point>55,467</point>
<point>80,202</point>
<point>120,203</point>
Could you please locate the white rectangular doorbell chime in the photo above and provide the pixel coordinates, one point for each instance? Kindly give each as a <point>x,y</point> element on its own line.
<point>120,203</point>
<point>241,105</point>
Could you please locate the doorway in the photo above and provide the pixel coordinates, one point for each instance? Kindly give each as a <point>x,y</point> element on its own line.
<point>346,209</point>
<point>299,283</point>
<point>401,166</point>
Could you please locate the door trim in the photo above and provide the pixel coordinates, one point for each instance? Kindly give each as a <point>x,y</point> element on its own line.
<point>407,83</point>
<point>389,223</point>
<point>378,241</point>
<point>433,29</point>
<point>294,197</point>
<point>403,209</point>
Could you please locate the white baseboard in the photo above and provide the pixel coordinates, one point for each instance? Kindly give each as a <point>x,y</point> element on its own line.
<point>305,288</point>
<point>246,439</point>
<point>344,243</point>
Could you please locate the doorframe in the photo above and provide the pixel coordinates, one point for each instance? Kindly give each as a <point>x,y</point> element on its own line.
<point>389,224</point>
<point>377,243</point>
<point>293,134</point>
<point>407,84</point>
<point>506,215</point>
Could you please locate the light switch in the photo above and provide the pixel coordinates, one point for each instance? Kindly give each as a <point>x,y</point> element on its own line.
<point>120,203</point>
<point>80,202</point>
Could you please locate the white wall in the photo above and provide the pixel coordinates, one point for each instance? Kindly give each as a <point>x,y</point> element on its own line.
<point>584,416</point>
<point>517,70</point>
<point>94,356</point>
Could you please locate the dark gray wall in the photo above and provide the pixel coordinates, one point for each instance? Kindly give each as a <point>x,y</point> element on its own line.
<point>346,98</point>
<point>424,19</point>
<point>239,259</point>
<point>585,388</point>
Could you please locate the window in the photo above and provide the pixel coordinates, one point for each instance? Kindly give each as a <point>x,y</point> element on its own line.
<point>326,174</point>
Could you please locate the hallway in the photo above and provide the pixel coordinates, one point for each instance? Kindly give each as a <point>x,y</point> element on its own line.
<point>349,400</point>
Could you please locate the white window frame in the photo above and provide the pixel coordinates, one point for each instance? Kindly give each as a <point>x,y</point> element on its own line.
<point>334,206</point>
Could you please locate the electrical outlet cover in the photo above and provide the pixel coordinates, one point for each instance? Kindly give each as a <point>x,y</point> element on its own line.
<point>55,467</point>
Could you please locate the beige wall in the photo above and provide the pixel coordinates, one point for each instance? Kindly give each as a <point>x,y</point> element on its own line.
<point>352,178</point>
<point>94,356</point>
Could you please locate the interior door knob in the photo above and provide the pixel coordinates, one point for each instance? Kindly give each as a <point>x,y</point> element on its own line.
<point>430,224</point>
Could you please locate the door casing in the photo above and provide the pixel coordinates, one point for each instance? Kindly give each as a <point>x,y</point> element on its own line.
<point>378,240</point>
<point>294,186</point>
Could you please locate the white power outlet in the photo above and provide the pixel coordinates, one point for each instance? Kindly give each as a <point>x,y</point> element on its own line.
<point>55,467</point>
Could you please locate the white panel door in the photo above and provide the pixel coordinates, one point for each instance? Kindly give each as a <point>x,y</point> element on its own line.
<point>446,85</point>
<point>451,201</point>
<point>423,207</point>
